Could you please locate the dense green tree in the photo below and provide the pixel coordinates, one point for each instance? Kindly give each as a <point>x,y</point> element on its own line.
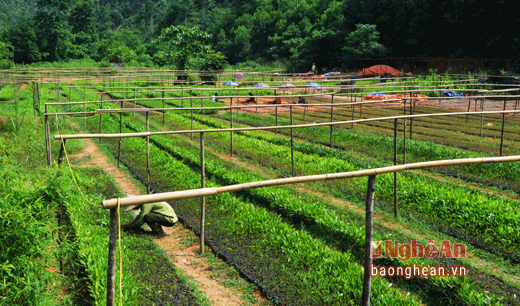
<point>184,43</point>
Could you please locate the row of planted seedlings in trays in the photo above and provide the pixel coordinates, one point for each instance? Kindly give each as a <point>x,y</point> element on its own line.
<point>148,275</point>
<point>269,199</point>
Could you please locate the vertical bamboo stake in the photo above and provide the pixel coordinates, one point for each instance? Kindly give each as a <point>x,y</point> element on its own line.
<point>135,97</point>
<point>231,125</point>
<point>120,139</point>
<point>100,118</point>
<point>353,110</point>
<point>58,90</point>
<point>292,142</point>
<point>203,199</point>
<point>331,119</point>
<point>367,284</point>
<point>482,118</point>
<point>148,154</point>
<point>62,151</point>
<point>404,134</point>
<point>503,125</point>
<point>304,109</point>
<point>38,97</point>
<point>396,208</point>
<point>85,106</point>
<point>276,116</point>
<point>70,97</point>
<point>469,107</point>
<point>164,112</point>
<point>48,138</point>
<point>111,268</point>
<point>191,111</point>
<point>34,98</point>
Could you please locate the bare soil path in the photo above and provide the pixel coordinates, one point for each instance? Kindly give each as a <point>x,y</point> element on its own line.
<point>185,258</point>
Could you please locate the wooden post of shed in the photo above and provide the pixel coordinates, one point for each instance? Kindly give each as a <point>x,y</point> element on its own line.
<point>331,119</point>
<point>231,126</point>
<point>367,280</point>
<point>203,199</point>
<point>111,268</point>
<point>503,125</point>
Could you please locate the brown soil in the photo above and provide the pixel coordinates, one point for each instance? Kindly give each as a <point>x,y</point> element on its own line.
<point>185,259</point>
<point>284,107</point>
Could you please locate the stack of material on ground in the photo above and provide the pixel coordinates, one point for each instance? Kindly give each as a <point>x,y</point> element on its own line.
<point>451,93</point>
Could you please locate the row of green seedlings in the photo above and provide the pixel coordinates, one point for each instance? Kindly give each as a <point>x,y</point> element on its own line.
<point>467,124</point>
<point>29,230</point>
<point>334,277</point>
<point>466,211</point>
<point>361,141</point>
<point>285,201</point>
<point>490,143</point>
<point>91,233</point>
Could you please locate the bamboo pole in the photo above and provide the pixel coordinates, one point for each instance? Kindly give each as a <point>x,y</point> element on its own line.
<point>191,112</point>
<point>203,199</point>
<point>70,97</point>
<point>62,150</point>
<point>331,119</point>
<point>212,191</point>
<point>148,189</point>
<point>144,134</point>
<point>369,231</point>
<point>163,107</point>
<point>292,142</point>
<point>101,117</point>
<point>48,139</point>
<point>231,126</point>
<point>404,133</point>
<point>482,117</point>
<point>396,208</point>
<point>469,107</point>
<point>85,107</point>
<point>503,126</point>
<point>111,268</point>
<point>120,139</point>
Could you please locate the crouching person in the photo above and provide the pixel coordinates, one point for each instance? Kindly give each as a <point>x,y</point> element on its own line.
<point>155,215</point>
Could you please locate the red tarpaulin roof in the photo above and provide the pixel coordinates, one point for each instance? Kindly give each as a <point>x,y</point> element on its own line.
<point>379,70</point>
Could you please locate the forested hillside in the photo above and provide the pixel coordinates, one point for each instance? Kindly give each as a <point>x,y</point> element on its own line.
<point>330,33</point>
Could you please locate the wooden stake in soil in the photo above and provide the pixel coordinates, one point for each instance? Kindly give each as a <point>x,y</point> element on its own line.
<point>395,173</point>
<point>120,139</point>
<point>231,126</point>
<point>292,142</point>
<point>101,117</point>
<point>164,112</point>
<point>367,281</point>
<point>331,119</point>
<point>503,125</point>
<point>111,269</point>
<point>404,134</point>
<point>481,117</point>
<point>191,111</point>
<point>148,190</point>
<point>203,199</point>
<point>85,107</point>
<point>48,138</point>
<point>62,151</point>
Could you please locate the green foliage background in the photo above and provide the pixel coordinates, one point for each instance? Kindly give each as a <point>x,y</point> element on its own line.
<point>296,33</point>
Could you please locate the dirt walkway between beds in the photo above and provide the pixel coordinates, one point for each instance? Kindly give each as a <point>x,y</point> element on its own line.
<point>184,258</point>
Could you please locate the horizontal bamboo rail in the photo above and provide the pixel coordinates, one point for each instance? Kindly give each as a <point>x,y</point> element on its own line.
<point>212,191</point>
<point>145,134</point>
